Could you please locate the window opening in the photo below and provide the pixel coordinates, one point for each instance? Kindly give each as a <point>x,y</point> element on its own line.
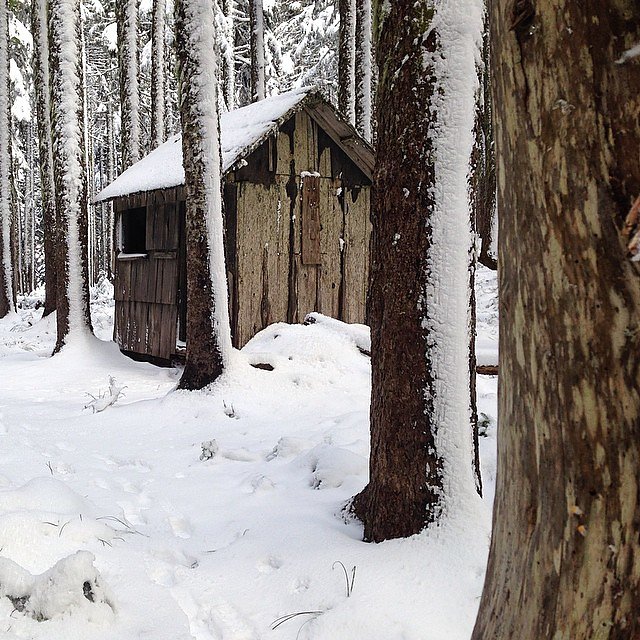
<point>134,230</point>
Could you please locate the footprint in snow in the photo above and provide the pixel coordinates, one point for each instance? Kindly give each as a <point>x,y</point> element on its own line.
<point>269,564</point>
<point>217,621</point>
<point>180,526</point>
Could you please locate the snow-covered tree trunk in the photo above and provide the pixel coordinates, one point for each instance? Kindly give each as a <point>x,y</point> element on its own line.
<point>7,302</point>
<point>229,67</point>
<point>158,84</point>
<point>363,68</point>
<point>564,561</point>
<point>421,462</point>
<point>208,328</point>
<point>347,60</point>
<point>67,120</point>
<point>258,79</point>
<point>128,65</point>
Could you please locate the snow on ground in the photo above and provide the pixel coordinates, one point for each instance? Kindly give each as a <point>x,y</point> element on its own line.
<point>209,516</point>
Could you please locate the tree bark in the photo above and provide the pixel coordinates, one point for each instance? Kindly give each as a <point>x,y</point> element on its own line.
<point>7,300</point>
<point>208,328</point>
<point>483,164</point>
<point>256,21</point>
<point>158,85</point>
<point>128,65</point>
<point>229,66</point>
<point>564,554</point>
<point>419,409</point>
<point>67,119</point>
<point>363,69</point>
<point>347,59</point>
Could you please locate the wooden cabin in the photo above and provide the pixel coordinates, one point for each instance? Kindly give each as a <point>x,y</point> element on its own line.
<point>297,183</point>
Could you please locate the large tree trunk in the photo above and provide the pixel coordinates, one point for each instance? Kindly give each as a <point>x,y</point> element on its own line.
<point>208,329</point>
<point>158,85</point>
<point>258,79</point>
<point>67,119</point>
<point>421,423</point>
<point>7,302</point>
<point>564,559</point>
<point>347,59</point>
<point>363,68</point>
<point>128,65</point>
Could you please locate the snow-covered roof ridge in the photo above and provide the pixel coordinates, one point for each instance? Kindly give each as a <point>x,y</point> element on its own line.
<point>242,132</point>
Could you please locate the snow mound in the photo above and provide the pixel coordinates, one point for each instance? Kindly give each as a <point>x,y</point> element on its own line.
<point>45,494</point>
<point>331,466</point>
<point>73,586</point>
<point>46,514</point>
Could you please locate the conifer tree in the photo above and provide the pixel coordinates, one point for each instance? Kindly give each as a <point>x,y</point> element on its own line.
<point>564,557</point>
<point>129,69</point>
<point>208,328</point>
<point>7,295</point>
<point>421,463</point>
<point>67,118</point>
<point>39,30</point>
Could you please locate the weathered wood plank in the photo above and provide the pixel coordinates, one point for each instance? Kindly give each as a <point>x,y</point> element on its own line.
<point>311,219</point>
<point>356,254</point>
<point>148,329</point>
<point>330,273</point>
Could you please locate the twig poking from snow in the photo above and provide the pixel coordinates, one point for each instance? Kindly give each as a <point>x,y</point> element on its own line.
<point>629,54</point>
<point>290,616</point>
<point>106,399</point>
<point>346,576</point>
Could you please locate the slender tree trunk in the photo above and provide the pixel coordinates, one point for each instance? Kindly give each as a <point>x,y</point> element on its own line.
<point>256,21</point>
<point>67,119</point>
<point>111,164</point>
<point>229,67</point>
<point>363,68</point>
<point>208,329</point>
<point>421,415</point>
<point>564,559</point>
<point>158,85</point>
<point>347,59</point>
<point>128,65</point>
<point>483,165</point>
<point>7,300</point>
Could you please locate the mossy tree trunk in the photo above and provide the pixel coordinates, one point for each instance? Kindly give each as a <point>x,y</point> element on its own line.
<point>565,554</point>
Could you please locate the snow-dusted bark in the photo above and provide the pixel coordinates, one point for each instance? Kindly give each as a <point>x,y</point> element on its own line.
<point>129,65</point>
<point>363,68</point>
<point>347,60</point>
<point>7,303</point>
<point>258,79</point>
<point>158,84</point>
<point>208,328</point>
<point>229,66</point>
<point>68,166</point>
<point>421,410</point>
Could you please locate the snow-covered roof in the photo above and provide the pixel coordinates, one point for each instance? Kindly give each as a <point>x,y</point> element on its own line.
<point>242,132</point>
